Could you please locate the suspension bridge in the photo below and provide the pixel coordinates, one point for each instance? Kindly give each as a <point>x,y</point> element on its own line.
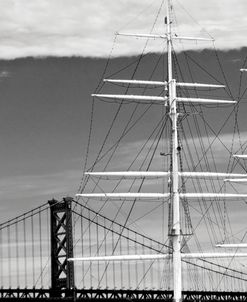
<point>35,247</point>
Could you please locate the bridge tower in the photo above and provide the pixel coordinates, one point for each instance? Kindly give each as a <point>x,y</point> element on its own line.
<point>62,271</point>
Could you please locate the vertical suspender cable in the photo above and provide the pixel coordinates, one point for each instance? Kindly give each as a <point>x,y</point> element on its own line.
<point>9,255</point>
<point>1,255</point>
<point>113,263</point>
<point>152,267</point>
<point>90,248</point>
<point>159,272</point>
<point>32,237</point>
<point>121,263</point>
<point>106,264</point>
<point>40,250</point>
<point>136,265</point>
<point>143,265</point>
<point>82,248</point>
<point>97,247</point>
<point>25,249</point>
<point>128,251</point>
<point>17,254</point>
<point>48,238</point>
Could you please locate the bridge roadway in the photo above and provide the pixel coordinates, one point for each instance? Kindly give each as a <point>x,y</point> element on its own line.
<point>35,294</point>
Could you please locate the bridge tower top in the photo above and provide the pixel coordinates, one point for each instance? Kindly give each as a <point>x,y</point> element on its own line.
<point>62,271</point>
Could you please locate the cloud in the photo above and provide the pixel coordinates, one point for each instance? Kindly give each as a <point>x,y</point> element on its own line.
<point>24,192</point>
<point>5,74</point>
<point>86,28</point>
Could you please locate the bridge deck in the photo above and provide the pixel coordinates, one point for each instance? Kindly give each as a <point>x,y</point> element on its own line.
<point>35,294</point>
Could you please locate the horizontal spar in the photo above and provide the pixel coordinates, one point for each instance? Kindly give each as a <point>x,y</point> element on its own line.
<point>160,83</point>
<point>213,255</point>
<point>157,257</point>
<point>199,85</point>
<point>236,180</point>
<point>130,174</point>
<point>212,195</point>
<point>205,101</point>
<point>211,174</point>
<point>192,38</point>
<point>162,36</point>
<point>244,156</point>
<point>123,257</point>
<point>126,195</point>
<point>160,195</point>
<point>163,174</point>
<point>137,82</point>
<point>160,98</point>
<point>149,36</point>
<point>232,245</point>
<point>131,97</point>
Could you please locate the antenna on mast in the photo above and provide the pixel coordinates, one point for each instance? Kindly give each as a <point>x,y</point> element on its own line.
<point>169,41</point>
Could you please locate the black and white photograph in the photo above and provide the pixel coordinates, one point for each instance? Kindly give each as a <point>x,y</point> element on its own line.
<point>123,150</point>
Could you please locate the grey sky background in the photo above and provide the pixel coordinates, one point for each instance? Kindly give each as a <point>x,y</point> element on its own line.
<point>45,102</point>
<point>65,28</point>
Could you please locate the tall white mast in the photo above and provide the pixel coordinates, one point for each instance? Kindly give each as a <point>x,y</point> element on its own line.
<point>171,100</point>
<point>176,237</point>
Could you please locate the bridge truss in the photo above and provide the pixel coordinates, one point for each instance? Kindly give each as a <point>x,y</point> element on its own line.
<point>116,295</point>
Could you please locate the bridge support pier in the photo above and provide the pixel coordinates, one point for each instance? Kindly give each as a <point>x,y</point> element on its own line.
<point>62,271</point>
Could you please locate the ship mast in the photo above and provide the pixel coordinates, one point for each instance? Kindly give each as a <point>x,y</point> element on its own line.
<point>175,200</point>
<point>170,101</point>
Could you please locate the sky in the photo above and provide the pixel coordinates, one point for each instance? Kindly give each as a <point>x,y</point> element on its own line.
<point>52,56</point>
<point>45,122</point>
<point>87,28</point>
<point>45,105</point>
